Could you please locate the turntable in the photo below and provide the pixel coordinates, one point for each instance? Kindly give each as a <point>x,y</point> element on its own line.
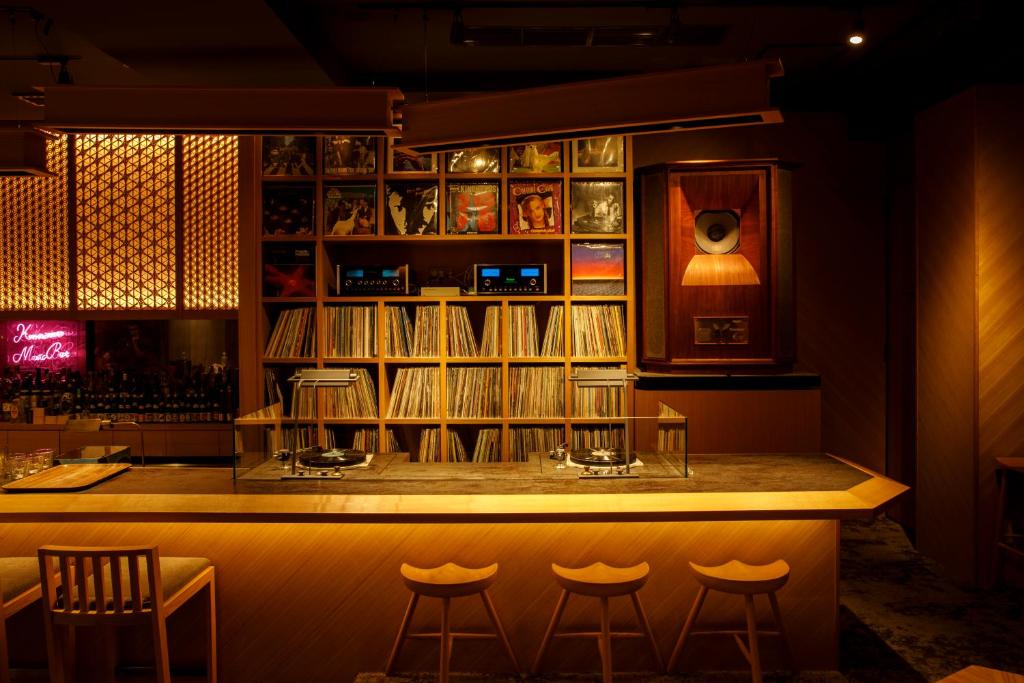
<point>600,457</point>
<point>315,457</point>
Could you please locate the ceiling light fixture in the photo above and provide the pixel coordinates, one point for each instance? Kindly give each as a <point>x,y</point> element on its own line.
<point>856,35</point>
<point>691,99</point>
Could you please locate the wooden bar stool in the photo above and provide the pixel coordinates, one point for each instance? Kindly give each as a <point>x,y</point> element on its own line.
<point>601,581</point>
<point>747,580</point>
<point>446,582</point>
<point>116,586</point>
<point>19,588</point>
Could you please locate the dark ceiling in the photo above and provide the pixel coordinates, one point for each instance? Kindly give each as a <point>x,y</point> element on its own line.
<point>915,53</point>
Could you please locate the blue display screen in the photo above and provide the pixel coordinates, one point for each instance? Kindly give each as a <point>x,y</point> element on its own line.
<point>389,272</point>
<point>354,273</point>
<point>529,272</point>
<point>490,272</point>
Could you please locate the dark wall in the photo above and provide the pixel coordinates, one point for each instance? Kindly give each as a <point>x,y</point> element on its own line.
<point>840,255</point>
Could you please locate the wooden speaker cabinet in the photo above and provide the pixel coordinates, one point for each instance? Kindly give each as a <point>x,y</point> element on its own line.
<point>715,260</point>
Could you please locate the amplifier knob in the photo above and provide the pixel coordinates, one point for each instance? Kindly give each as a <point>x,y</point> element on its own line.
<point>348,283</point>
<point>487,283</point>
<point>533,280</point>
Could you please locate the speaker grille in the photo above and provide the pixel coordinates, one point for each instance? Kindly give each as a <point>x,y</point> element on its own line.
<point>653,230</point>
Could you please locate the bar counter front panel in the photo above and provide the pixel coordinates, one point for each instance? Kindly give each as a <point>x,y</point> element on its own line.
<point>308,585</point>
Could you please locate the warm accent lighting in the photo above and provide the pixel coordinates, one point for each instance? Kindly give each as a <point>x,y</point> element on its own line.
<point>855,38</point>
<point>23,152</point>
<point>719,270</point>
<point>690,99</point>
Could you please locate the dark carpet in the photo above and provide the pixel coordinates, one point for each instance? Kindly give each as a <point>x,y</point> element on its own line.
<point>900,621</point>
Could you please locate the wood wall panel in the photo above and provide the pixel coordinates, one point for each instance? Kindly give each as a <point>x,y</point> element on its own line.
<point>999,207</point>
<point>739,421</point>
<point>946,336</point>
<point>839,245</point>
<point>321,602</point>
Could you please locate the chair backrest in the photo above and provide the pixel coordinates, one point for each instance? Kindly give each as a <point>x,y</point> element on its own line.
<point>118,584</point>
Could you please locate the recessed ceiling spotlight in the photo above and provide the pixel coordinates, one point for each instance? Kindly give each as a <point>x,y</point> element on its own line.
<point>856,35</point>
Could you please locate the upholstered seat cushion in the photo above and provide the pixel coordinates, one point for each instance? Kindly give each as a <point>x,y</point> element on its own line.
<point>175,572</point>
<point>17,575</point>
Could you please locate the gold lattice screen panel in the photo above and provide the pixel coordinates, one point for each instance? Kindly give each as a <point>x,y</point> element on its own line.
<point>125,229</point>
<point>209,199</point>
<point>34,237</point>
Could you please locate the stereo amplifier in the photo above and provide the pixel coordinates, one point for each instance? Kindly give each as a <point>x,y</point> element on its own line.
<point>372,280</point>
<point>522,278</point>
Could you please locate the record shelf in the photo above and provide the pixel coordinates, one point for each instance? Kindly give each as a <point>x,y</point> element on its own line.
<point>439,256</point>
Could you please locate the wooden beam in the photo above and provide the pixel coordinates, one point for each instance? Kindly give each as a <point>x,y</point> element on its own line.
<point>711,97</point>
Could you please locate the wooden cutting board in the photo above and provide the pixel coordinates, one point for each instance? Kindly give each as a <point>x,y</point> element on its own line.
<point>67,477</point>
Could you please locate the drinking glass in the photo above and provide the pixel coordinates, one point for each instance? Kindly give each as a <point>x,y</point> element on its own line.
<point>46,455</point>
<point>17,466</point>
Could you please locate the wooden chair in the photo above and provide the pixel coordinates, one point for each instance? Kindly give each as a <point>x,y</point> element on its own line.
<point>446,582</point>
<point>747,580</point>
<point>19,588</point>
<point>120,586</point>
<point>601,581</point>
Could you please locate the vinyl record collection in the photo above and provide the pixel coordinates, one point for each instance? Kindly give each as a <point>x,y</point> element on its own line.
<point>294,334</point>
<point>415,393</point>
<point>598,330</point>
<point>536,391</point>
<point>672,433</point>
<point>597,437</point>
<point>402,339</point>
<point>462,340</point>
<point>523,332</point>
<point>448,376</point>
<point>526,440</point>
<point>430,445</point>
<point>474,391</point>
<point>350,331</point>
<point>598,401</point>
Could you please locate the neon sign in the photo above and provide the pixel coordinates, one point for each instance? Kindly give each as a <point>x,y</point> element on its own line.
<point>46,344</point>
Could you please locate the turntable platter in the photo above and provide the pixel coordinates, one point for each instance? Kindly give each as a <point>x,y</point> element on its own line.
<point>600,457</point>
<point>339,457</point>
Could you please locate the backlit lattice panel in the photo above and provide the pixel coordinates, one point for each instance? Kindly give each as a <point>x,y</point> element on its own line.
<point>34,237</point>
<point>209,194</point>
<point>124,208</point>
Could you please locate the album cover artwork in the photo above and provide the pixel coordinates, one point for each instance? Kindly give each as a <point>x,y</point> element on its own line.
<point>289,270</point>
<point>475,160</point>
<point>289,155</point>
<point>598,269</point>
<point>541,157</point>
<point>350,209</point>
<point>472,208</point>
<point>288,209</point>
<point>410,162</point>
<point>411,209</point>
<point>535,207</point>
<point>596,206</point>
<point>598,155</point>
<point>350,155</point>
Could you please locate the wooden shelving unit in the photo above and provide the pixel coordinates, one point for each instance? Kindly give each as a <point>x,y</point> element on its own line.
<point>552,249</point>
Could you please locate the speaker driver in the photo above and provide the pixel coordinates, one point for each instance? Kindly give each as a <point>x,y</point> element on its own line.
<point>718,232</point>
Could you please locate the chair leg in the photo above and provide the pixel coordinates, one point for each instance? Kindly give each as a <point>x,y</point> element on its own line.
<point>777,613</point>
<point>446,638</point>
<point>493,614</point>
<point>5,675</point>
<point>389,667</point>
<point>550,633</point>
<point>691,619</point>
<point>645,625</point>
<point>606,642</point>
<point>211,632</point>
<point>755,656</point>
<point>55,648</point>
<point>161,660</point>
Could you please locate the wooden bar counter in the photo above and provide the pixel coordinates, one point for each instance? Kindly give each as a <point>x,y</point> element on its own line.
<point>308,584</point>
